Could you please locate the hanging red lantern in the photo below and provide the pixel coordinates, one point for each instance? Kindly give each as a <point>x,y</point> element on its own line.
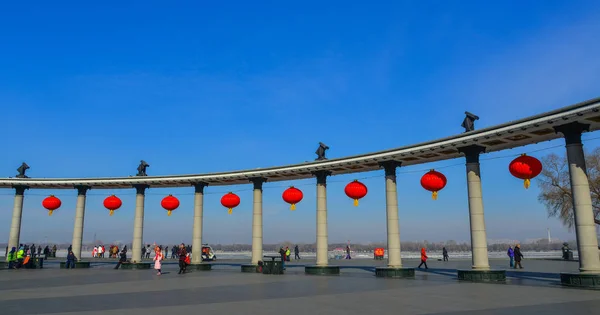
<point>525,167</point>
<point>292,196</point>
<point>112,203</point>
<point>170,203</point>
<point>51,203</point>
<point>433,181</point>
<point>356,190</point>
<point>230,201</point>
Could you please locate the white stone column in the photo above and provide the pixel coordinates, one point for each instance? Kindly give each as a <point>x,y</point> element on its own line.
<point>15,226</point>
<point>393,224</point>
<point>585,228</point>
<point>138,224</point>
<point>479,248</point>
<point>322,239</point>
<point>257,221</point>
<point>197,232</point>
<point>79,221</point>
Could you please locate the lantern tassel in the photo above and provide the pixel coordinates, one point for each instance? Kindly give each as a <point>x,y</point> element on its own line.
<point>293,207</point>
<point>527,183</point>
<point>111,212</point>
<point>434,195</point>
<point>50,212</point>
<point>230,211</point>
<point>356,202</point>
<point>169,213</point>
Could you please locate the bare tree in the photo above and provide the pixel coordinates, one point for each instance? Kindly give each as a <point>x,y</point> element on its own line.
<point>556,187</point>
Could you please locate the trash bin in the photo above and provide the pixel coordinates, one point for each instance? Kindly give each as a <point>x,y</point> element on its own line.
<point>37,262</point>
<point>277,268</point>
<point>569,255</point>
<point>267,267</point>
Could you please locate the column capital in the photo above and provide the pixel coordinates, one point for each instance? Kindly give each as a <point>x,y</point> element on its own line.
<point>258,182</point>
<point>20,189</point>
<point>390,167</point>
<point>472,152</point>
<point>141,189</point>
<point>82,189</point>
<point>321,176</point>
<point>199,187</point>
<point>572,131</point>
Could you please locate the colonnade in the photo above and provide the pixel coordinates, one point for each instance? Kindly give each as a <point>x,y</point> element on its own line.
<point>589,261</point>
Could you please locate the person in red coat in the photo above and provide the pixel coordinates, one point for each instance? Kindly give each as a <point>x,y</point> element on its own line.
<point>423,258</point>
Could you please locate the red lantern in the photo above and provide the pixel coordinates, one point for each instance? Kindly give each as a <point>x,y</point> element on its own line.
<point>230,201</point>
<point>433,181</point>
<point>112,203</point>
<point>170,203</point>
<point>51,203</point>
<point>292,196</point>
<point>525,167</point>
<point>356,190</point>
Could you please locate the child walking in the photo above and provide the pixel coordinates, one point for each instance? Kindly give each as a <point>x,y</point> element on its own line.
<point>157,260</point>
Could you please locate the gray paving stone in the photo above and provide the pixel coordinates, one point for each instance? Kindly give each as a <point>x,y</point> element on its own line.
<point>102,290</point>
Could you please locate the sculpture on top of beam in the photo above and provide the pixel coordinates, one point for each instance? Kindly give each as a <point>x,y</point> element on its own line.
<point>469,122</point>
<point>24,167</point>
<point>321,151</point>
<point>142,168</point>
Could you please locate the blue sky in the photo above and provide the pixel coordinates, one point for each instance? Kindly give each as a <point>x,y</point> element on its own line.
<point>90,89</point>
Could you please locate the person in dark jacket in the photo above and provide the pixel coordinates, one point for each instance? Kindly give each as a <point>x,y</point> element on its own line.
<point>182,257</point>
<point>71,259</point>
<point>122,259</point>
<point>518,256</point>
<point>445,254</point>
<point>282,254</point>
<point>296,253</point>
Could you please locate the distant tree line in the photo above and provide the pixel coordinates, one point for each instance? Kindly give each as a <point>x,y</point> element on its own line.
<point>453,246</point>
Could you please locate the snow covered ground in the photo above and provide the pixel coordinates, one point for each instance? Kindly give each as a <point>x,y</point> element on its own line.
<point>359,255</point>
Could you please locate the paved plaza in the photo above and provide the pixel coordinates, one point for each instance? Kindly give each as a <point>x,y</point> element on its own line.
<point>103,290</point>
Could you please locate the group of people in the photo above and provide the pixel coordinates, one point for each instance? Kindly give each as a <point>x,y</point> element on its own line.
<point>424,257</point>
<point>182,252</point>
<point>173,254</point>
<point>515,256</point>
<point>22,257</point>
<point>98,251</point>
<point>285,254</point>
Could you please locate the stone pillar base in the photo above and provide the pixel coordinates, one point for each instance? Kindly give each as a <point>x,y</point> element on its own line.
<point>201,267</point>
<point>580,280</point>
<point>482,275</point>
<point>391,272</point>
<point>78,264</point>
<point>250,268</point>
<point>322,270</point>
<point>136,266</point>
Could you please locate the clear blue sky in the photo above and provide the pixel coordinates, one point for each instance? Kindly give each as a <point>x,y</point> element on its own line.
<point>90,89</point>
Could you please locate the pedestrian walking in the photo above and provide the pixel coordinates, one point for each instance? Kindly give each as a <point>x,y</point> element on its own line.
<point>445,253</point>
<point>182,259</point>
<point>511,256</point>
<point>158,257</point>
<point>296,253</point>
<point>518,256</point>
<point>423,258</point>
